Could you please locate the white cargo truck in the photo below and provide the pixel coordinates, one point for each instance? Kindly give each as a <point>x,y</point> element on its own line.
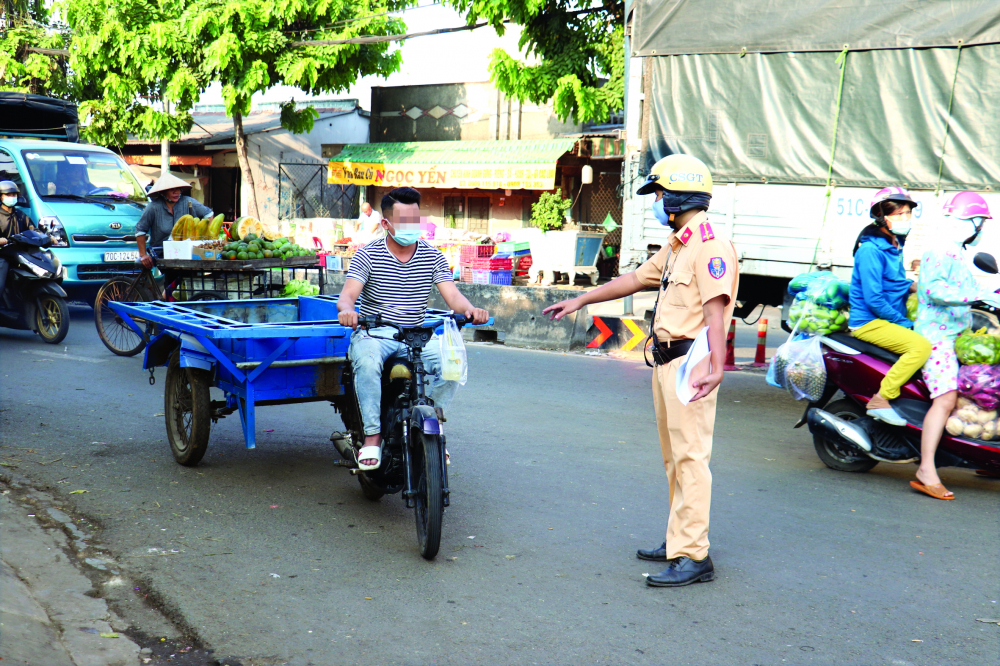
<point>803,114</point>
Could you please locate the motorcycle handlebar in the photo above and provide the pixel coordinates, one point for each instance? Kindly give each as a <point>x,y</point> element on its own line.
<point>375,321</point>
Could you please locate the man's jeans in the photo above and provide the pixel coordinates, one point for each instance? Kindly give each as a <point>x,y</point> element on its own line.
<point>368,356</point>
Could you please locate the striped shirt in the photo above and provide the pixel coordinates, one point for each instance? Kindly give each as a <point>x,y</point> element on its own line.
<point>398,291</point>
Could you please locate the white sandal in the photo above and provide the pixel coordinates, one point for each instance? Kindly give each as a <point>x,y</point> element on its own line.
<point>369,452</point>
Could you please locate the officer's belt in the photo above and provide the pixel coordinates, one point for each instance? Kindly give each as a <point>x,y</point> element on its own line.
<point>677,349</point>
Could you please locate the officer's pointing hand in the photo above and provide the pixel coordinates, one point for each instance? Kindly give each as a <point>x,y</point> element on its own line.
<point>561,309</point>
<point>706,384</point>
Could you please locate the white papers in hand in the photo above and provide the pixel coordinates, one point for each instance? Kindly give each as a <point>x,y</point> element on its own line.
<point>695,365</point>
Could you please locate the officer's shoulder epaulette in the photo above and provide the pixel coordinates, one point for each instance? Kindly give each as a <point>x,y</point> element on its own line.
<point>706,231</point>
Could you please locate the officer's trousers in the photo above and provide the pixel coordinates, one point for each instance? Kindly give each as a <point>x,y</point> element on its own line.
<point>686,443</point>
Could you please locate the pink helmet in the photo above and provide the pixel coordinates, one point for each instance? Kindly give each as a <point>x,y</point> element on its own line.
<point>966,205</point>
<point>897,194</point>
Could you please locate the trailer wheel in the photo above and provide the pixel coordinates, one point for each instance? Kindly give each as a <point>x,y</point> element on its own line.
<point>188,411</point>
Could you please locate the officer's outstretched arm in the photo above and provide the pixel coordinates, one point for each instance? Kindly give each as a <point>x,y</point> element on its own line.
<point>620,287</point>
<point>714,310</point>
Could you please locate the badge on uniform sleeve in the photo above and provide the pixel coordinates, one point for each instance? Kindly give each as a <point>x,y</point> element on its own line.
<point>716,267</point>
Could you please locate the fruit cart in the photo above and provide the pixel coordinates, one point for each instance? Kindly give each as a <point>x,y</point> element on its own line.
<point>260,352</point>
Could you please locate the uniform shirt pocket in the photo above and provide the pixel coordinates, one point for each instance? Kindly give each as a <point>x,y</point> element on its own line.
<point>678,287</point>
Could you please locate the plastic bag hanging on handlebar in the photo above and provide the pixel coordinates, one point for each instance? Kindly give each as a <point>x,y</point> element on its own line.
<point>454,360</point>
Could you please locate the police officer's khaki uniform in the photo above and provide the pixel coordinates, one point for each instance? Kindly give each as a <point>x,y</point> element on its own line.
<point>701,268</point>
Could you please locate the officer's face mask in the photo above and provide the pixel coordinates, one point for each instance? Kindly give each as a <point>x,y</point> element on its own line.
<point>668,204</point>
<point>9,201</point>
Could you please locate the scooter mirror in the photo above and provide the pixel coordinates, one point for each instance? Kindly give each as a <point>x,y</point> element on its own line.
<point>986,263</point>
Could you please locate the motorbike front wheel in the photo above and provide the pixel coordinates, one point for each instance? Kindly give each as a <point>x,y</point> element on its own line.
<point>842,456</point>
<point>429,491</point>
<point>52,318</point>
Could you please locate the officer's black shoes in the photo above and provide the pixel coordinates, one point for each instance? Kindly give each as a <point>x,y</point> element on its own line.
<point>683,571</point>
<point>658,554</point>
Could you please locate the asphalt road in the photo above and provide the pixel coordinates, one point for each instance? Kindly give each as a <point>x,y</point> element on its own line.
<point>556,480</point>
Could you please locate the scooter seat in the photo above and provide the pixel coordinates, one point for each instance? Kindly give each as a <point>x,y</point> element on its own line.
<point>865,347</point>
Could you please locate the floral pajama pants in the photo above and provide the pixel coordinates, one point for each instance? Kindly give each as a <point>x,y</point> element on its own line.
<point>941,369</point>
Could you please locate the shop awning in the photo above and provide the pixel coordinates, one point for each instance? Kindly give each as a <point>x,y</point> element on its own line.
<point>515,165</point>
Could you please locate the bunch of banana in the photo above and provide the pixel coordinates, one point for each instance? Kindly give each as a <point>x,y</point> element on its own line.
<point>191,228</point>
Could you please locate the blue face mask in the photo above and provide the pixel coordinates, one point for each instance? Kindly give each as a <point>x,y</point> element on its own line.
<point>660,213</point>
<point>406,238</point>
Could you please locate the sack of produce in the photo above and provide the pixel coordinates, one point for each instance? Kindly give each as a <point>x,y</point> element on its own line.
<point>911,307</point>
<point>799,368</point>
<point>970,420</point>
<point>816,319</point>
<point>299,288</point>
<point>980,384</point>
<point>978,348</point>
<point>801,282</point>
<point>828,291</point>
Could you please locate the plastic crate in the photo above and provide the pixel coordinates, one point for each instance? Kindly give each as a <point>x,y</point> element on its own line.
<point>492,264</point>
<point>523,263</point>
<point>477,251</point>
<point>512,247</point>
<point>491,277</point>
<point>466,274</point>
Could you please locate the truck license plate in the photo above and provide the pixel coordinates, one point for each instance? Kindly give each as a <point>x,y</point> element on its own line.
<point>122,256</point>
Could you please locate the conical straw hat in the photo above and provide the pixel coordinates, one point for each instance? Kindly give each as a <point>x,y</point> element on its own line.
<point>165,182</point>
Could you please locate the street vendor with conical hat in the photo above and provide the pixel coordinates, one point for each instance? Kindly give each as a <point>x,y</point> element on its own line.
<point>168,204</point>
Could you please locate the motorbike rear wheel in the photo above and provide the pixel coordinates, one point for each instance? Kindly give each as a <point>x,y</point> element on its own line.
<point>842,456</point>
<point>187,408</point>
<point>429,495</point>
<point>52,318</point>
<point>111,328</point>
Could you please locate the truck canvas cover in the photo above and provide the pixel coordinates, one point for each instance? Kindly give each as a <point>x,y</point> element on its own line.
<point>783,86</point>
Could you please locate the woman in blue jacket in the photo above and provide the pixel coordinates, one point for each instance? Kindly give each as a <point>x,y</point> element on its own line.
<point>879,289</point>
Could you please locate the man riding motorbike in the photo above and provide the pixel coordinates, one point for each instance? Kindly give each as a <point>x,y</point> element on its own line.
<point>879,289</point>
<point>393,276</point>
<point>12,221</point>
<point>945,290</point>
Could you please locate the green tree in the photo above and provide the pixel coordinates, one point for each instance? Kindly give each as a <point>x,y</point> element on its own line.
<point>579,45</point>
<point>253,45</point>
<point>136,70</point>
<point>32,55</point>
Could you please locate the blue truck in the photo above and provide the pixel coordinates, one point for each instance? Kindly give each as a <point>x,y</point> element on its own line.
<point>86,197</point>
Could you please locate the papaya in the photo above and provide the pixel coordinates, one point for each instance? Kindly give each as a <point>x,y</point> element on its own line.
<point>178,231</point>
<point>215,227</point>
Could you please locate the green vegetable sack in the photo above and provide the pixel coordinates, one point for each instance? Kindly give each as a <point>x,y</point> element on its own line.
<point>299,288</point>
<point>911,307</point>
<point>977,348</point>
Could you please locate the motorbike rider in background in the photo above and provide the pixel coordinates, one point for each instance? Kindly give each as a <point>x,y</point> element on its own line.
<point>879,289</point>
<point>12,221</point>
<point>945,289</point>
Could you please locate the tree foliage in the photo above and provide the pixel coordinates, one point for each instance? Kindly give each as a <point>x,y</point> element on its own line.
<point>22,27</point>
<point>129,58</point>
<point>579,46</point>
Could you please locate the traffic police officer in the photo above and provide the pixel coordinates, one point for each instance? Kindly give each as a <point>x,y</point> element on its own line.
<point>698,277</point>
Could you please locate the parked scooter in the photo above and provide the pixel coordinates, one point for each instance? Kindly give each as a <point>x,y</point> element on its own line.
<point>34,299</point>
<point>848,440</point>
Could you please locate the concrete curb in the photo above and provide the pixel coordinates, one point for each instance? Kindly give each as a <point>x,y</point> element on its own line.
<point>49,610</point>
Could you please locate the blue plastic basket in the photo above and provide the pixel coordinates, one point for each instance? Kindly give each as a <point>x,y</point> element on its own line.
<point>491,277</point>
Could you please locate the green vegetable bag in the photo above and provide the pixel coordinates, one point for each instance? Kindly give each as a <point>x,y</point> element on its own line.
<point>977,348</point>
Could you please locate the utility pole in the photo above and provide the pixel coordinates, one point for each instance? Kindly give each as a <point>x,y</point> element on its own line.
<point>165,147</point>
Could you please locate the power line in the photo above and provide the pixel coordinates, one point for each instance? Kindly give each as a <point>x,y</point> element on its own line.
<point>377,39</point>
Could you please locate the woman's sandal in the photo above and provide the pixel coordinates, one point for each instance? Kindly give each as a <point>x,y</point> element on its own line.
<point>937,491</point>
<point>367,453</point>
